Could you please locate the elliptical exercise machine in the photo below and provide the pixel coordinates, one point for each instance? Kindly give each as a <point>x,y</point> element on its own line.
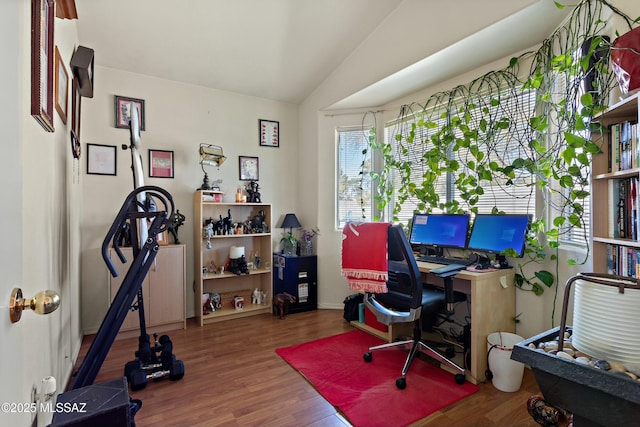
<point>141,221</point>
<point>152,361</point>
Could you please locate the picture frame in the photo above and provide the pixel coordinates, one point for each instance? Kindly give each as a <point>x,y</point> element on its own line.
<point>249,168</point>
<point>269,131</point>
<point>61,87</point>
<point>76,102</point>
<point>163,238</point>
<point>101,159</point>
<point>122,106</point>
<point>42,59</point>
<point>160,164</point>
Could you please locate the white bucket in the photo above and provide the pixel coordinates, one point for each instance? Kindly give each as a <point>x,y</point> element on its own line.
<point>507,373</point>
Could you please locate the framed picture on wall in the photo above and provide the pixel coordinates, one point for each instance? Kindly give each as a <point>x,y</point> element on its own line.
<point>62,87</point>
<point>269,131</point>
<point>122,105</point>
<point>101,159</point>
<point>160,164</point>
<point>249,170</point>
<point>42,62</point>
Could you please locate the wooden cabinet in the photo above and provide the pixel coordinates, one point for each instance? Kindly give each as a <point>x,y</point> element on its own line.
<point>163,290</point>
<point>213,251</point>
<point>297,276</point>
<point>614,192</point>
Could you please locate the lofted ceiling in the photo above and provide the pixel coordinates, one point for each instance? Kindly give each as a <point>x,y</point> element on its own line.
<point>284,49</point>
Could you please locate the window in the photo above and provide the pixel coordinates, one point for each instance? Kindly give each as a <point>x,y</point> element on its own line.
<point>354,192</point>
<point>502,147</point>
<point>561,84</point>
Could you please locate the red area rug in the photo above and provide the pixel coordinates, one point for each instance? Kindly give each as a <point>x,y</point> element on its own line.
<point>366,393</point>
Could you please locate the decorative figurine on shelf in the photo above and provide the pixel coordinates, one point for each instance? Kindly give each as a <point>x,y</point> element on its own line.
<point>207,232</point>
<point>263,296</point>
<point>254,195</point>
<point>238,302</point>
<point>281,304</point>
<point>215,301</point>
<point>227,224</point>
<point>256,297</point>
<point>258,223</point>
<point>238,266</point>
<point>177,220</point>
<point>212,267</point>
<point>205,303</point>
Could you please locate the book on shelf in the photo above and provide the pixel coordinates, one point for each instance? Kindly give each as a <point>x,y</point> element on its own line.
<point>623,260</point>
<point>625,211</point>
<point>624,150</point>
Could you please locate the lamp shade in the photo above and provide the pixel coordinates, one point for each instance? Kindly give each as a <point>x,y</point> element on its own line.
<point>605,321</point>
<point>290,221</point>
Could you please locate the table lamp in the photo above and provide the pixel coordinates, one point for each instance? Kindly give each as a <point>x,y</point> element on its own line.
<point>290,221</point>
<point>210,155</point>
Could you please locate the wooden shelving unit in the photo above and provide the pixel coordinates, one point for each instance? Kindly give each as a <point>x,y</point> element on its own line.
<point>229,284</point>
<point>604,181</point>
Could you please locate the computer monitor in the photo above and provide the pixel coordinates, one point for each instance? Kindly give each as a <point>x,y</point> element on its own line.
<point>493,233</point>
<point>437,231</point>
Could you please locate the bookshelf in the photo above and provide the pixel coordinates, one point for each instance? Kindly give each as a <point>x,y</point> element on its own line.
<point>615,191</point>
<point>216,249</point>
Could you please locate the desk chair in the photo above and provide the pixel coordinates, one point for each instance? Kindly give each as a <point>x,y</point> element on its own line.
<point>407,301</point>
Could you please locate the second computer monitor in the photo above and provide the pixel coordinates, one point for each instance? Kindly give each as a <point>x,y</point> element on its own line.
<point>495,233</point>
<point>439,230</point>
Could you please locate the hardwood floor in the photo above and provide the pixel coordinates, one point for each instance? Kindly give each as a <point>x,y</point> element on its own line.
<point>233,377</point>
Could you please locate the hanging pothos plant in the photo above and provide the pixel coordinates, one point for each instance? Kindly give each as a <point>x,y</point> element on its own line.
<point>504,135</point>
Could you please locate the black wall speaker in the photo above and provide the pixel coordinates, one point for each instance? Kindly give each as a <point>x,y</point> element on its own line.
<point>82,68</point>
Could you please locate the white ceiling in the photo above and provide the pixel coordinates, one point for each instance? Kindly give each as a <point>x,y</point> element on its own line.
<point>284,49</point>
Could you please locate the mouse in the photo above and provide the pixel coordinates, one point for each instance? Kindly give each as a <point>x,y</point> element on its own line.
<point>482,266</point>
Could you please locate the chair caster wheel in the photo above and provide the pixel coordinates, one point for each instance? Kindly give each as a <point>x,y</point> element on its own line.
<point>450,352</point>
<point>460,379</point>
<point>367,357</point>
<point>401,383</point>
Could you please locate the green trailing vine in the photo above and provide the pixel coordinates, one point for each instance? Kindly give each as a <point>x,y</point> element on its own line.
<point>508,133</point>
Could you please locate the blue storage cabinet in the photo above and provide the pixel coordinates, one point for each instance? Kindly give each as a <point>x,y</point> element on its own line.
<point>298,276</point>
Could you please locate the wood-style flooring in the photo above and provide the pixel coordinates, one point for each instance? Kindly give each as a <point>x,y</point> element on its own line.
<point>233,377</point>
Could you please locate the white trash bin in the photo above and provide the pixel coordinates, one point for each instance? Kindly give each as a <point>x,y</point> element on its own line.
<point>507,373</point>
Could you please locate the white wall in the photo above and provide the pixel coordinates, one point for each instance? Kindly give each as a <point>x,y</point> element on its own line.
<point>178,117</point>
<point>40,231</point>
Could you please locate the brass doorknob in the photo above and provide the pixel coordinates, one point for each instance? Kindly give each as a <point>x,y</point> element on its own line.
<point>44,302</point>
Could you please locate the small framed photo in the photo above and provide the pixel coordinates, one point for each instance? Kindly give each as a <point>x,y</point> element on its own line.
<point>269,131</point>
<point>249,168</point>
<point>123,111</point>
<point>163,238</point>
<point>160,164</point>
<point>101,159</point>
<point>62,87</point>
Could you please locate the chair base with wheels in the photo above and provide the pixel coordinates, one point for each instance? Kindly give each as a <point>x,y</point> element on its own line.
<point>432,301</point>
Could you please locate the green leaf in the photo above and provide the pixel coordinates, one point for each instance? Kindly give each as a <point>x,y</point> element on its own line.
<point>545,277</point>
<point>586,99</point>
<point>537,289</point>
<point>574,141</point>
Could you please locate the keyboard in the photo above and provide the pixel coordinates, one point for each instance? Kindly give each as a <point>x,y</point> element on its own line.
<point>442,260</point>
<point>448,270</point>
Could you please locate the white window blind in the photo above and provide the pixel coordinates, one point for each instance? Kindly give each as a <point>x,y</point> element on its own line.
<point>559,83</point>
<point>502,146</point>
<point>354,196</point>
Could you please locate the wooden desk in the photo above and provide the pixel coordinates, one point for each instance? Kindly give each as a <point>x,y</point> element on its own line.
<point>493,309</point>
